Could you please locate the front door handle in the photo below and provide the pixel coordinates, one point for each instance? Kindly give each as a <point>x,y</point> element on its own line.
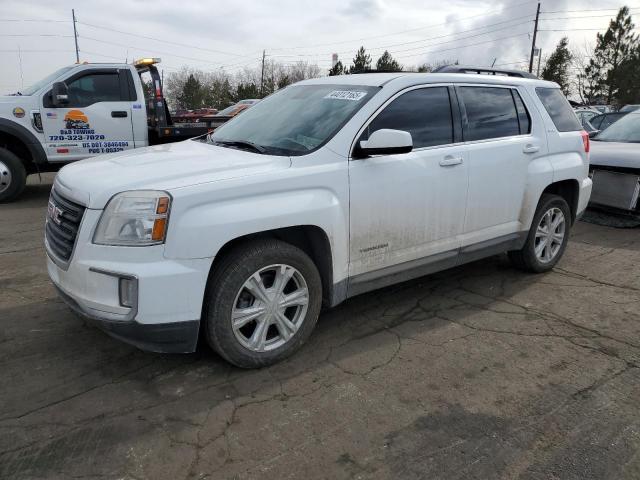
<point>450,161</point>
<point>119,114</point>
<point>529,148</point>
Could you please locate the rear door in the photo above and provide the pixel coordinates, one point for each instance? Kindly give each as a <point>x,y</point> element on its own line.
<point>97,118</point>
<point>497,128</point>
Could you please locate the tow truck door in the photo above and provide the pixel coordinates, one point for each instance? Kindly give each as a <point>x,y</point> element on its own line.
<point>97,118</point>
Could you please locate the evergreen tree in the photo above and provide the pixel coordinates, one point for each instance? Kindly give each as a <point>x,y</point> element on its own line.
<point>386,63</point>
<point>629,85</point>
<point>556,68</point>
<point>613,49</point>
<point>192,94</point>
<point>361,62</point>
<point>247,90</point>
<point>337,69</point>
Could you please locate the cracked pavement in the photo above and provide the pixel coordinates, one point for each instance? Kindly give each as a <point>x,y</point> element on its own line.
<point>474,373</point>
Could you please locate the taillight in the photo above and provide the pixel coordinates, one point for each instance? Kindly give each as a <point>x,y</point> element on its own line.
<point>586,141</point>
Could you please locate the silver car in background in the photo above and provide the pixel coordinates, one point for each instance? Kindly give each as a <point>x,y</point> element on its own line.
<point>615,165</point>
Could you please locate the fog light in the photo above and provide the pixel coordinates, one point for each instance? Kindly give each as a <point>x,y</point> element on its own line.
<point>128,290</point>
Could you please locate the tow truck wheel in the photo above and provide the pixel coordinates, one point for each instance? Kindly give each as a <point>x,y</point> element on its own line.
<point>13,176</point>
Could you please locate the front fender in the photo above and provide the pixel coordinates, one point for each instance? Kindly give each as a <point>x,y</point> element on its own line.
<point>201,230</point>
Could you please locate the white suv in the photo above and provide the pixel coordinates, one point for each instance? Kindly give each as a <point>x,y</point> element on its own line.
<point>327,189</point>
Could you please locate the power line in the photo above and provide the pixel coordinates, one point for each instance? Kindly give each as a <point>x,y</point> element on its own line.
<point>413,48</point>
<point>405,31</point>
<point>386,47</point>
<point>34,35</point>
<point>161,40</point>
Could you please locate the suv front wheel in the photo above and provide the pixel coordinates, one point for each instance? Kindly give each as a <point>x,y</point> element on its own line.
<point>263,303</point>
<point>547,238</point>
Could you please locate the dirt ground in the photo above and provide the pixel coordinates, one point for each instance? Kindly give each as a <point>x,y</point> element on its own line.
<point>481,372</point>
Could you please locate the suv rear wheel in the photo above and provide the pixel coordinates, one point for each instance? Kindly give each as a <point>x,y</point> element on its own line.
<point>263,303</point>
<point>547,238</point>
<point>13,176</point>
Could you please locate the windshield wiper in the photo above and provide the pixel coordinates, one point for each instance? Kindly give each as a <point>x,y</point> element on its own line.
<point>241,144</point>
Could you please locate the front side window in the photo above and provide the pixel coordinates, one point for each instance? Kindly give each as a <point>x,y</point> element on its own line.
<point>559,109</point>
<point>425,113</point>
<point>94,88</point>
<point>491,113</point>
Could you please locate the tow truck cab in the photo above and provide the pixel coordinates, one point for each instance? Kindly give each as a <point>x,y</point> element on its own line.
<point>81,111</point>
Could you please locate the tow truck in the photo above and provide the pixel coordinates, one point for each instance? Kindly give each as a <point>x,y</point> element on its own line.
<point>84,110</point>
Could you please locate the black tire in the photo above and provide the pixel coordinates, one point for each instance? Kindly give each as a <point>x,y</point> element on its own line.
<point>226,283</point>
<point>13,176</point>
<point>526,258</point>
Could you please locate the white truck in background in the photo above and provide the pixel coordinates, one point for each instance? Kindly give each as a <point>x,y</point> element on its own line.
<point>84,110</point>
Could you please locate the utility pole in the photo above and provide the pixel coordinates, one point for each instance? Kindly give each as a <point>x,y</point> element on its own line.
<point>533,43</point>
<point>75,34</point>
<point>262,75</point>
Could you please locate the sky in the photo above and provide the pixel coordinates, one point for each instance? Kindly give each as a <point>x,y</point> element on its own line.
<point>36,36</point>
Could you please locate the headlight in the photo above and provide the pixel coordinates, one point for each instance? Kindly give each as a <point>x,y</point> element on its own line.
<point>134,218</point>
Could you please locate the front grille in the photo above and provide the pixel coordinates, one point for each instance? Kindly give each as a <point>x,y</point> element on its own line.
<point>62,225</point>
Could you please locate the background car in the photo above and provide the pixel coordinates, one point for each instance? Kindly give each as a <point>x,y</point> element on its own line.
<point>585,115</point>
<point>236,108</point>
<point>630,108</point>
<point>604,120</point>
<point>615,165</point>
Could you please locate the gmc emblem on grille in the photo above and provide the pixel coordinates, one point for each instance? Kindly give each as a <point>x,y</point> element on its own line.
<point>54,213</point>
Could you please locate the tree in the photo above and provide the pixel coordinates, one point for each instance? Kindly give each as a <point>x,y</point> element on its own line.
<point>615,47</point>
<point>386,63</point>
<point>629,84</point>
<point>337,69</point>
<point>556,68</point>
<point>430,67</point>
<point>361,62</point>
<point>247,90</point>
<point>192,94</point>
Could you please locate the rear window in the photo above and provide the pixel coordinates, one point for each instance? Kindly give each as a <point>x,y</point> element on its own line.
<point>559,109</point>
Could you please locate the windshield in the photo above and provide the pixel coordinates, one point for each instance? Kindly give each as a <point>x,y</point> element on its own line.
<point>627,130</point>
<point>298,119</point>
<point>48,79</point>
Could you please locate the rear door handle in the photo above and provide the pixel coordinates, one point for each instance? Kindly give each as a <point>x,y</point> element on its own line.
<point>531,148</point>
<point>119,114</point>
<point>450,161</point>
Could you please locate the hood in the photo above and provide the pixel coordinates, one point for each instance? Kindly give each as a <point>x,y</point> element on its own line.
<point>94,181</point>
<point>615,154</point>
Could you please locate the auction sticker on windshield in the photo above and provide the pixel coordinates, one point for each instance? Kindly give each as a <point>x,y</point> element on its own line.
<point>346,95</point>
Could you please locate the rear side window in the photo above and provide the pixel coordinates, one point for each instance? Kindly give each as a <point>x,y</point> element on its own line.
<point>425,113</point>
<point>491,113</point>
<point>523,115</point>
<point>559,109</point>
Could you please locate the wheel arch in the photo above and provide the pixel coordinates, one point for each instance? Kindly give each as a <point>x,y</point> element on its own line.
<point>569,190</point>
<point>20,141</point>
<point>311,239</point>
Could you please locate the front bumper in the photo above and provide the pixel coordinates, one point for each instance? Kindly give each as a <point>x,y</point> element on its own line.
<point>165,314</point>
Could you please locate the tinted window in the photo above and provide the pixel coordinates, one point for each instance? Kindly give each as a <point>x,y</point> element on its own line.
<point>425,113</point>
<point>93,88</point>
<point>627,130</point>
<point>523,115</point>
<point>491,113</point>
<point>597,121</point>
<point>559,109</point>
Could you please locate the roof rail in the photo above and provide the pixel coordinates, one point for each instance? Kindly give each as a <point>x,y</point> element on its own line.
<point>483,70</point>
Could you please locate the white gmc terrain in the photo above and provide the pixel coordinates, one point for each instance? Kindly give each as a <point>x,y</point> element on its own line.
<point>326,189</point>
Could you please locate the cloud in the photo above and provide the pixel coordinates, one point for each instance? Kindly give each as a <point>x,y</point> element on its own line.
<point>366,9</point>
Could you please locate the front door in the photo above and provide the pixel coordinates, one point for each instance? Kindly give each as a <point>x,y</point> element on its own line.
<point>97,118</point>
<point>407,210</point>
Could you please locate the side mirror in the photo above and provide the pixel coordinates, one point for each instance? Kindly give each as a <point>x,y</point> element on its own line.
<point>594,133</point>
<point>59,94</point>
<point>386,142</point>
